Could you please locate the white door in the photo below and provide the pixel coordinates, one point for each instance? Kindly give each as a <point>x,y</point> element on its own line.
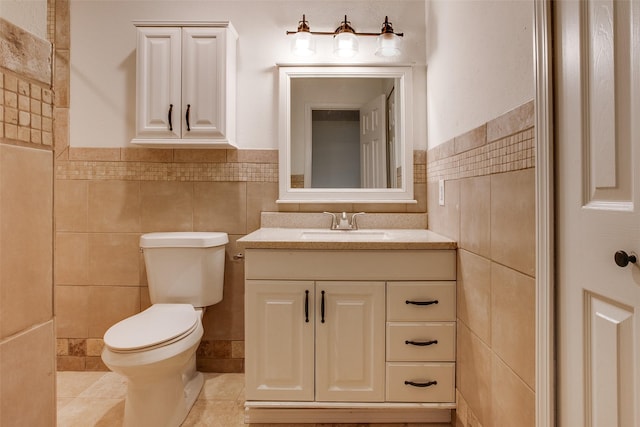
<point>203,80</point>
<point>159,82</point>
<point>597,58</point>
<point>373,156</point>
<point>279,341</point>
<point>350,341</point>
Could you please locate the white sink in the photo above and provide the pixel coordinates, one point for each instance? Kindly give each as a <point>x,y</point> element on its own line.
<point>344,235</point>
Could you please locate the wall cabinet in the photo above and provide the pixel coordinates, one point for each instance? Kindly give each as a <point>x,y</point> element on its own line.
<point>185,85</point>
<point>320,331</point>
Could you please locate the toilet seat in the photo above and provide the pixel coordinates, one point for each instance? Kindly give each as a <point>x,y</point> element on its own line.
<point>157,326</point>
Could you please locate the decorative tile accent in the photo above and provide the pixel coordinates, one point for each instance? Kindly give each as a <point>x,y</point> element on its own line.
<point>26,111</point>
<point>512,153</point>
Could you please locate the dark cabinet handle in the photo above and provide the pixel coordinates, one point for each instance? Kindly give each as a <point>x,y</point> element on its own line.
<point>622,259</point>
<point>186,116</point>
<point>427,384</point>
<point>169,116</point>
<point>421,302</point>
<point>306,306</point>
<point>322,308</point>
<point>421,343</point>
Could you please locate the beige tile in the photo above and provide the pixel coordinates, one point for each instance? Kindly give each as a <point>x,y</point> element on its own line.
<point>83,412</point>
<point>114,259</point>
<point>166,206</point>
<point>212,413</point>
<point>71,384</point>
<point>26,238</point>
<point>518,119</point>
<point>445,219</point>
<point>252,156</point>
<point>71,205</point>
<point>475,215</point>
<point>62,26</point>
<point>222,386</point>
<point>94,346</point>
<point>61,130</point>
<point>513,220</point>
<point>94,154</point>
<point>237,349</point>
<point>473,373</point>
<point>110,304</point>
<point>473,139</point>
<point>328,207</point>
<point>114,206</point>
<point>192,155</point>
<point>513,402</point>
<point>474,294</point>
<point>70,363</point>
<point>72,259</point>
<point>380,207</point>
<point>220,206</point>
<point>20,45</point>
<point>71,311</point>
<point>107,386</point>
<point>513,320</point>
<point>28,378</point>
<point>261,196</point>
<point>61,79</point>
<point>420,195</point>
<point>146,155</point>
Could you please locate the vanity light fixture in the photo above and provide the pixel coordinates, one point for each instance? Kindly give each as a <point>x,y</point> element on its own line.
<point>345,43</point>
<point>303,43</point>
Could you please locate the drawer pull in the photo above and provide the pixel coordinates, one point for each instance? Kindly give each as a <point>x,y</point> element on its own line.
<point>421,343</point>
<point>421,302</point>
<point>427,384</point>
<point>306,306</point>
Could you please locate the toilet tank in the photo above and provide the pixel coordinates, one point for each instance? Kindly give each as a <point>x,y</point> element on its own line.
<point>185,267</point>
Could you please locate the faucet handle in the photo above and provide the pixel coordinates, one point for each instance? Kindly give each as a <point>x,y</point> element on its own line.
<point>334,220</point>
<point>354,222</point>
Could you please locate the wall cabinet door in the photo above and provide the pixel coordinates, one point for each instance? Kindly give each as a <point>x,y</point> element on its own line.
<point>203,82</point>
<point>350,341</point>
<point>159,86</point>
<point>279,340</point>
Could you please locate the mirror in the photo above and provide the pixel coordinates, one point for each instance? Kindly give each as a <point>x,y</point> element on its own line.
<point>345,134</point>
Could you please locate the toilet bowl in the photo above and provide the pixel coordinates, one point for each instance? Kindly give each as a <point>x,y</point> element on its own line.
<point>156,349</point>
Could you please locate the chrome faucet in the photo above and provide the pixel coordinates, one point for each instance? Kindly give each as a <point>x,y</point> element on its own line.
<point>343,223</point>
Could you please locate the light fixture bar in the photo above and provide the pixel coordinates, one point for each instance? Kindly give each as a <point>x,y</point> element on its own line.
<point>333,33</point>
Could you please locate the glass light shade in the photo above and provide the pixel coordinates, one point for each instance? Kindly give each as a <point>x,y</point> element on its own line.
<point>303,44</point>
<point>345,45</point>
<point>388,45</point>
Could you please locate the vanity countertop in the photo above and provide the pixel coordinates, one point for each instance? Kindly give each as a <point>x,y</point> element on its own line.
<point>318,238</point>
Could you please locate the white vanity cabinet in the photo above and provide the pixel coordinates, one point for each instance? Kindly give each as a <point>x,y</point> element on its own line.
<point>185,84</point>
<point>365,335</point>
<point>321,341</point>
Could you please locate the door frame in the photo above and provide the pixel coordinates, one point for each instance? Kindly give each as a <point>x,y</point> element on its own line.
<point>545,254</point>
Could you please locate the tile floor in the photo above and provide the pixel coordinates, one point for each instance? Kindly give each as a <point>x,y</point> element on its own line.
<point>96,399</point>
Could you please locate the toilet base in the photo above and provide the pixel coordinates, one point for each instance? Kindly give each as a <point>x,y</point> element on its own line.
<point>165,402</point>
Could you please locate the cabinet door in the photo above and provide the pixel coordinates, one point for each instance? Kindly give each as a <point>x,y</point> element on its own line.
<point>203,82</point>
<point>279,340</point>
<point>158,82</point>
<point>350,341</point>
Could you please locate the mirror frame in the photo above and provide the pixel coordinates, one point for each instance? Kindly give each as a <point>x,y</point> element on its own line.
<point>404,194</point>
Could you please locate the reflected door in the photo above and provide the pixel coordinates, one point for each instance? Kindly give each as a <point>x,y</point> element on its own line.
<point>373,149</point>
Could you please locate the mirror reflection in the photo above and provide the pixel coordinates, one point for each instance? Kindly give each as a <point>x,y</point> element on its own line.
<point>344,133</point>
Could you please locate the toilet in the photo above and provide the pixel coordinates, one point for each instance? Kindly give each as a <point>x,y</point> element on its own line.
<point>156,349</point>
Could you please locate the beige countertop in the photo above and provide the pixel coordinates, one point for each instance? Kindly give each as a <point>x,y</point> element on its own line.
<point>319,238</point>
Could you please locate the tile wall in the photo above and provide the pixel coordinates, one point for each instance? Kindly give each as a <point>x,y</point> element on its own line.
<point>490,210</point>
<point>27,340</point>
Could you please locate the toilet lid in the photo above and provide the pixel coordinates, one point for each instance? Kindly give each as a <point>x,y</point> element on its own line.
<point>158,324</point>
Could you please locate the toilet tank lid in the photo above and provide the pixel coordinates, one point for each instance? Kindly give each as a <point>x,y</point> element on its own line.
<point>193,239</point>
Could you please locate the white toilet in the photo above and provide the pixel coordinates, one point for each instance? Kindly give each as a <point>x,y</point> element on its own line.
<point>156,349</point>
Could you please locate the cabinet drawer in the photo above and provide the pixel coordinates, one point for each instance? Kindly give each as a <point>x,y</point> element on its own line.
<point>442,375</point>
<point>421,301</point>
<point>421,342</point>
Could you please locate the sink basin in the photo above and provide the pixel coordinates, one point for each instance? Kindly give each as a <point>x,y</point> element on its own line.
<point>345,235</point>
